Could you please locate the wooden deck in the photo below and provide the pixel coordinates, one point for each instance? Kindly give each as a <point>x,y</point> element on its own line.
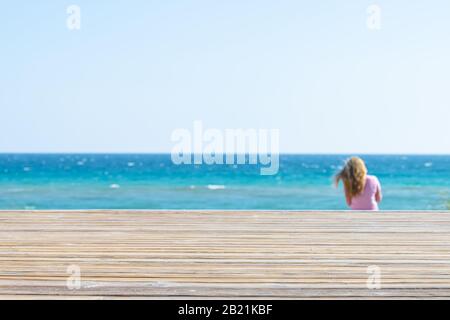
<point>162,255</point>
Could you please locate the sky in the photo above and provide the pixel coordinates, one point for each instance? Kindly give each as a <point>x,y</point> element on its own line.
<point>138,70</point>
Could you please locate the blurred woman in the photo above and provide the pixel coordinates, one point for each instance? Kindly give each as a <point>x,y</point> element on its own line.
<point>362,191</point>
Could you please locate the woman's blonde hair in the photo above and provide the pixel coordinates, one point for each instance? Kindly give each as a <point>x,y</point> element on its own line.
<point>353,176</point>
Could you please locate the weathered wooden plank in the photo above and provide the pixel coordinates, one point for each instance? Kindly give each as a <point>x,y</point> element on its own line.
<point>224,254</point>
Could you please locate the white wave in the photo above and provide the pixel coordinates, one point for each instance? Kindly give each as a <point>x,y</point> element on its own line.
<point>216,186</point>
<point>310,166</point>
<point>131,164</point>
<point>114,186</point>
<point>428,164</point>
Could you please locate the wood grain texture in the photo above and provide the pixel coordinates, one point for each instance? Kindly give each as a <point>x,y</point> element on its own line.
<point>213,254</point>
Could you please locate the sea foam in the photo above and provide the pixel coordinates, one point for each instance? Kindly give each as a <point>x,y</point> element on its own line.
<point>216,187</point>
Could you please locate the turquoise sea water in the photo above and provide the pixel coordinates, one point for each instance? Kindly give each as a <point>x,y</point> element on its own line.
<point>132,181</point>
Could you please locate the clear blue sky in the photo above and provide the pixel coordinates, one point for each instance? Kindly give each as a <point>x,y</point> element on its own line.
<point>137,70</point>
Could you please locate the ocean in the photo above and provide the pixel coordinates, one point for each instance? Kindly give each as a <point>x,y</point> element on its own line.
<point>152,181</point>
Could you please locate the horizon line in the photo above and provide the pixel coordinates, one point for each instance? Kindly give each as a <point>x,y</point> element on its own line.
<point>169,153</point>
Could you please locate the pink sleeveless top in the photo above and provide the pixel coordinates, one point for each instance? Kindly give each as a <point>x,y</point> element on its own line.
<point>366,200</point>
